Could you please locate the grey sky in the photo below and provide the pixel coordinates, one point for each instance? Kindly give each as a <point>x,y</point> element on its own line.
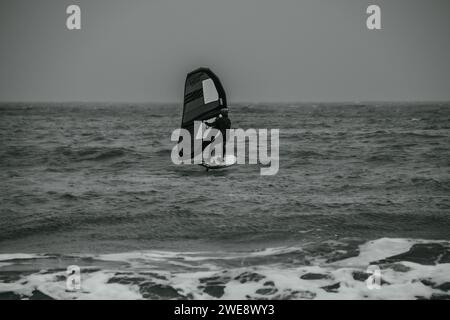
<point>284,50</point>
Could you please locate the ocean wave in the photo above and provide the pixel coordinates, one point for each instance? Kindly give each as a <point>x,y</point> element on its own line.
<point>410,269</point>
<point>431,183</point>
<point>92,153</point>
<point>381,158</point>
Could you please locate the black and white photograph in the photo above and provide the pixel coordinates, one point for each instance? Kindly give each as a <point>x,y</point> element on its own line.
<point>239,150</point>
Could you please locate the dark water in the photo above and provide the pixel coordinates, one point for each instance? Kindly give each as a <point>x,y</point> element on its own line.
<point>96,178</point>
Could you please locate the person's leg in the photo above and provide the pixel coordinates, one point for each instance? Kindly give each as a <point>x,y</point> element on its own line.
<point>224,145</point>
<point>223,150</point>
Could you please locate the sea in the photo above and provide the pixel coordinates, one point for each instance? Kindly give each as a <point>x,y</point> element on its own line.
<point>93,185</point>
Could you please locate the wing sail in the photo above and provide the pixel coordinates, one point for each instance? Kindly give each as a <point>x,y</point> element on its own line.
<point>204,96</point>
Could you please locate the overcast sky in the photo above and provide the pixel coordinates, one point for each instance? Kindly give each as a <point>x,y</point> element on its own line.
<point>278,50</point>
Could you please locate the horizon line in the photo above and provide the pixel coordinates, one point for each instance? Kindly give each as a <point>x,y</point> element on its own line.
<point>236,102</point>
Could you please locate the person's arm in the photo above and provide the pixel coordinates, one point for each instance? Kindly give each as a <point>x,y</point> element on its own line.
<point>211,124</point>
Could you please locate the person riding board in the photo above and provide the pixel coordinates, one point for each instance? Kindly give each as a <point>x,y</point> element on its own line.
<point>221,123</point>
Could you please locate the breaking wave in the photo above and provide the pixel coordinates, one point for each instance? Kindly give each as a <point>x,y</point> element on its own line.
<point>410,269</point>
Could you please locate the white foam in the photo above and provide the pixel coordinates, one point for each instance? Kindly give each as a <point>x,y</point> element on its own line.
<point>188,274</point>
<point>382,248</point>
<point>156,255</point>
<point>94,286</point>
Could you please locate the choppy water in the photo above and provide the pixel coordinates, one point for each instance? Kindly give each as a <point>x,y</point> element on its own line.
<point>94,184</point>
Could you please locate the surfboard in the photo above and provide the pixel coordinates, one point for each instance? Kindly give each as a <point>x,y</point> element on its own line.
<point>219,163</point>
